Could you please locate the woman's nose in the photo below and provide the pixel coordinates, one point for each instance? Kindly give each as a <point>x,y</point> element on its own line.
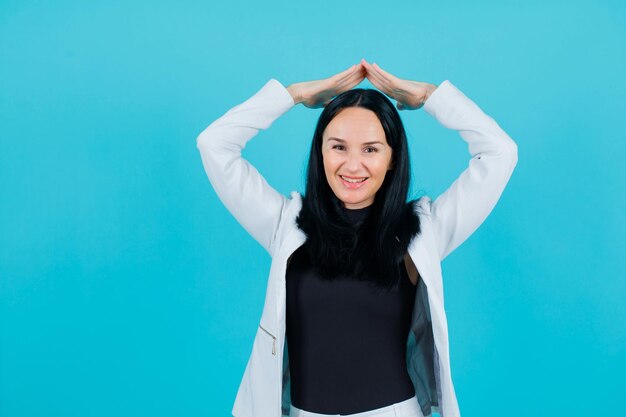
<point>353,162</point>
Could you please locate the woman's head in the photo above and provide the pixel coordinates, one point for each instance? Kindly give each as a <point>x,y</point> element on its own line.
<point>356,156</point>
<point>359,135</point>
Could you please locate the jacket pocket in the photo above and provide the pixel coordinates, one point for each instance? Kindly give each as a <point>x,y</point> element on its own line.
<point>267,332</point>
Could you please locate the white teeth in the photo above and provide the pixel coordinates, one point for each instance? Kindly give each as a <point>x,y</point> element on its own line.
<point>352,180</point>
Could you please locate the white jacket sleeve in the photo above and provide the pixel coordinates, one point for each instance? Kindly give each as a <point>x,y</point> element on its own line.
<point>241,188</point>
<point>458,211</point>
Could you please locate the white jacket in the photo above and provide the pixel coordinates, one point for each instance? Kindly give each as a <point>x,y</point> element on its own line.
<point>270,216</point>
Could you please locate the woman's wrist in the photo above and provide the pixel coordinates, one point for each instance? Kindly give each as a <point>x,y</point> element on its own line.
<point>430,89</point>
<point>295,93</point>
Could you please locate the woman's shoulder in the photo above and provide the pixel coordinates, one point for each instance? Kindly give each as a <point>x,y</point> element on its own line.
<point>295,199</point>
<point>422,205</point>
<point>293,206</point>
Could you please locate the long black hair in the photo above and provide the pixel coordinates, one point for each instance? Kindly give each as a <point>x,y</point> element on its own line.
<point>374,249</point>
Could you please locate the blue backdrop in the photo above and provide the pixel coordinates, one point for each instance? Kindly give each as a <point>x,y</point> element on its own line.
<point>122,286</point>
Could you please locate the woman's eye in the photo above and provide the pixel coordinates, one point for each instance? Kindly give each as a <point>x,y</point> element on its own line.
<point>369,149</point>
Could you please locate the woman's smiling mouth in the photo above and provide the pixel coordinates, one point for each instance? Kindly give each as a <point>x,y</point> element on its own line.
<point>353,183</point>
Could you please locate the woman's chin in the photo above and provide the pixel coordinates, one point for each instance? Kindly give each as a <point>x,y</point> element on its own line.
<point>352,202</point>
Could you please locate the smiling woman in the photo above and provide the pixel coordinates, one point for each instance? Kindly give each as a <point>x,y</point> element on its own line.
<point>356,166</point>
<point>354,321</point>
<point>358,158</point>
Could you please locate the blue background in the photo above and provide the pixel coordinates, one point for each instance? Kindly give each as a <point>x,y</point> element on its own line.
<point>127,289</point>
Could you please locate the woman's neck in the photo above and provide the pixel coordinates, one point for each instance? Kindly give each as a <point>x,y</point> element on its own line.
<point>357,215</point>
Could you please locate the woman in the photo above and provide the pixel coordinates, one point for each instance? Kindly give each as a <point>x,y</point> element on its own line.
<point>354,320</point>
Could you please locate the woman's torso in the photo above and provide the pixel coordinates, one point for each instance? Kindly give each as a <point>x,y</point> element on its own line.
<point>347,340</point>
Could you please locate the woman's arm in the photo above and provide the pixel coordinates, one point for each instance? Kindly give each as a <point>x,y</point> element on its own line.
<point>242,189</point>
<point>255,204</point>
<point>458,211</point>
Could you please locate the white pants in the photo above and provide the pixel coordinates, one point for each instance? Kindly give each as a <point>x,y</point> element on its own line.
<point>406,408</point>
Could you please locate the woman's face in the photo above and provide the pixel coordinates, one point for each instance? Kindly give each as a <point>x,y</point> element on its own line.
<point>356,156</point>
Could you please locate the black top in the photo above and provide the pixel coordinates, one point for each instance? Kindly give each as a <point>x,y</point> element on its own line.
<point>346,342</point>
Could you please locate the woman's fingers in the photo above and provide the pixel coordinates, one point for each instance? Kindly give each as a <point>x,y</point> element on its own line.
<point>379,82</point>
<point>387,84</point>
<point>408,94</point>
<point>337,81</point>
<point>354,79</point>
<point>384,74</point>
<point>390,82</point>
<point>321,92</point>
<point>369,68</point>
<point>344,74</point>
<point>356,75</point>
<point>347,85</point>
<point>377,79</point>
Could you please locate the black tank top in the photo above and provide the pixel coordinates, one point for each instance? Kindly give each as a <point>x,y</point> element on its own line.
<point>346,342</point>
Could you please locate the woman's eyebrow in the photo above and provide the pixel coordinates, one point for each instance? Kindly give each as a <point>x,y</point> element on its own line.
<point>364,143</point>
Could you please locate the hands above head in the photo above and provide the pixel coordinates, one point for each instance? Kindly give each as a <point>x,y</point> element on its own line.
<point>319,93</point>
<point>408,94</point>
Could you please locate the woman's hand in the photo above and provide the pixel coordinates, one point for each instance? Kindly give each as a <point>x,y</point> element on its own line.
<point>409,95</point>
<point>318,93</point>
